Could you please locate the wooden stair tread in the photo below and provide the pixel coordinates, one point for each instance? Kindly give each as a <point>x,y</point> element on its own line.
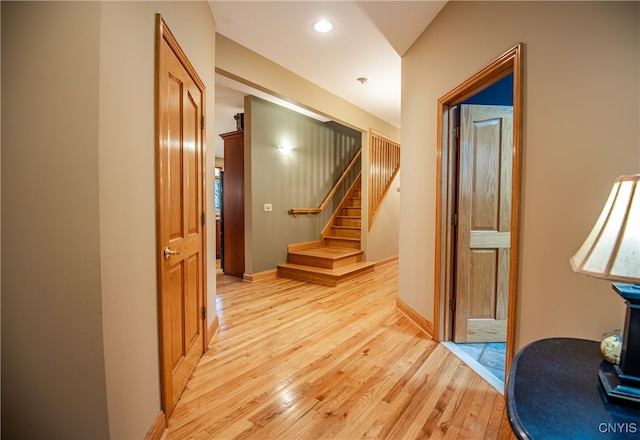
<point>335,237</point>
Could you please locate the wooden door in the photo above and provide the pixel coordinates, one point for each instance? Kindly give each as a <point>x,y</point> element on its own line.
<point>484,223</point>
<point>180,210</point>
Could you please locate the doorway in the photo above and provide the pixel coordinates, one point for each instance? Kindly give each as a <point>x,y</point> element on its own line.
<point>493,249</point>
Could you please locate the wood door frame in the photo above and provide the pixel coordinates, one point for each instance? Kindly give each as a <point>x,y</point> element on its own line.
<point>446,176</point>
<point>164,34</point>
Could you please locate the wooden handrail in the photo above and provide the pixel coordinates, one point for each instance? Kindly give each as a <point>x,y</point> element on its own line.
<point>309,211</point>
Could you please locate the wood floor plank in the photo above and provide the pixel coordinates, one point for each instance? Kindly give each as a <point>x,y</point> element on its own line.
<point>438,421</point>
<point>470,394</point>
<point>495,419</point>
<point>294,360</point>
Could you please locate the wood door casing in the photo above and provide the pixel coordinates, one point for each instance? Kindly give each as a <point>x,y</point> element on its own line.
<point>181,207</point>
<point>510,62</point>
<point>484,223</point>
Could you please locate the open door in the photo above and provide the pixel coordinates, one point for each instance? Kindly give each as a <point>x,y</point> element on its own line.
<point>180,213</point>
<point>483,223</point>
<point>447,181</point>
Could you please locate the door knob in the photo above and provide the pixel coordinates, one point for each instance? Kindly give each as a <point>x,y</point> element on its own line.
<point>168,253</point>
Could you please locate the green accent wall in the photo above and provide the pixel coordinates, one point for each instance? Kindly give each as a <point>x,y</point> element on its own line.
<point>302,179</point>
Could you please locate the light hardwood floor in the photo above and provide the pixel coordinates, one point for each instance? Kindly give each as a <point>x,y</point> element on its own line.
<point>295,360</point>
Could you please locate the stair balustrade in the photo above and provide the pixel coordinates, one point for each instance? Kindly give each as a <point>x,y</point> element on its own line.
<point>384,164</point>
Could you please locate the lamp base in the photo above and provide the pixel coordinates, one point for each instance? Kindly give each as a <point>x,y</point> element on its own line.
<point>621,383</point>
<point>617,387</point>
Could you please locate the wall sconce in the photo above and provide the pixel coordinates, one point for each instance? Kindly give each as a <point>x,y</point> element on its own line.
<point>285,148</point>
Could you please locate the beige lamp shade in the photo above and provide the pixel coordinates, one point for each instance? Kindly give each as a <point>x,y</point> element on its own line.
<point>612,249</point>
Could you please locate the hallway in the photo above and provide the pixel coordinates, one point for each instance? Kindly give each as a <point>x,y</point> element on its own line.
<point>298,360</point>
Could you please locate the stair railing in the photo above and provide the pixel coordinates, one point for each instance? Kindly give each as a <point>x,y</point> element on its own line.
<point>384,159</point>
<point>311,211</point>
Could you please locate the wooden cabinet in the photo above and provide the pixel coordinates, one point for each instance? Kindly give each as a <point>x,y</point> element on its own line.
<point>218,238</point>
<point>233,204</point>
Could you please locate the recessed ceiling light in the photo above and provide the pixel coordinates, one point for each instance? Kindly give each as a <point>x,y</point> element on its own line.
<point>323,26</point>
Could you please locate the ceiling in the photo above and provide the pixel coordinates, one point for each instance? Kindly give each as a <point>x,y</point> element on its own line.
<point>368,40</point>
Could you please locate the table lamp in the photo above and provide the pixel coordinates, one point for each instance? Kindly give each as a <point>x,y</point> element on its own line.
<point>612,252</point>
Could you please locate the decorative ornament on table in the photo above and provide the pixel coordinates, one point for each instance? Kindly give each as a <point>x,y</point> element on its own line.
<point>611,346</point>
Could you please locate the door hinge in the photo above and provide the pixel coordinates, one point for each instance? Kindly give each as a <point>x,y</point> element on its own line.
<point>452,304</point>
<point>458,132</point>
<point>202,122</point>
<point>203,219</point>
<point>454,219</point>
<point>204,312</point>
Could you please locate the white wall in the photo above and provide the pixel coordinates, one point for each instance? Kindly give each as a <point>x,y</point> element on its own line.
<point>53,360</point>
<point>383,237</point>
<point>80,321</point>
<point>580,131</point>
<point>127,196</point>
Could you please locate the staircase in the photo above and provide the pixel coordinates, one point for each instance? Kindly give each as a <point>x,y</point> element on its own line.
<point>336,258</point>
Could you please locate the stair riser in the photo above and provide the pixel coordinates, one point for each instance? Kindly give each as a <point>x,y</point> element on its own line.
<point>351,212</point>
<point>350,233</point>
<point>353,222</point>
<point>336,241</point>
<point>309,277</point>
<point>324,279</point>
<point>346,261</point>
<point>324,263</point>
<point>355,274</point>
<point>355,202</point>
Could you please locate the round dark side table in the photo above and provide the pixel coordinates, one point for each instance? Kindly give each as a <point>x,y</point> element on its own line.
<point>553,392</point>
